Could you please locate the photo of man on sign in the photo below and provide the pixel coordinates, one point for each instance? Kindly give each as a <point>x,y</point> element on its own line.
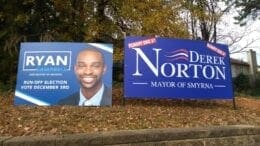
<point>89,69</point>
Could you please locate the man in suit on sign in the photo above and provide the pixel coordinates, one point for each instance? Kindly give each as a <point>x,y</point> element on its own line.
<point>89,69</point>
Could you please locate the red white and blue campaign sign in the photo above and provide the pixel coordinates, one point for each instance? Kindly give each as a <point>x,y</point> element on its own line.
<point>46,71</point>
<point>176,68</point>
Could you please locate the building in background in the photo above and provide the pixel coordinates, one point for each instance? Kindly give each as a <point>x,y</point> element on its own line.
<point>249,68</point>
<point>239,66</point>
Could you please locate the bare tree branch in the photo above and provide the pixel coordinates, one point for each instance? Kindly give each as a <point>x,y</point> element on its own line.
<point>246,46</point>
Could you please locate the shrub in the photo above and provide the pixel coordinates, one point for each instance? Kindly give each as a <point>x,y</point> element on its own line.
<point>241,83</point>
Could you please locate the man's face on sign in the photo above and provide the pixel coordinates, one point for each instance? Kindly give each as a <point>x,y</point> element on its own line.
<point>90,68</point>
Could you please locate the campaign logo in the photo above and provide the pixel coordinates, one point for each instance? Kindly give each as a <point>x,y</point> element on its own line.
<point>208,66</point>
<point>47,61</point>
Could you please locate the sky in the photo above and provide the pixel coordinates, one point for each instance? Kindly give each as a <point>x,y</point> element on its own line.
<point>249,33</point>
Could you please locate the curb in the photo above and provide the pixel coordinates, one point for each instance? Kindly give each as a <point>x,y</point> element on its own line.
<point>217,135</point>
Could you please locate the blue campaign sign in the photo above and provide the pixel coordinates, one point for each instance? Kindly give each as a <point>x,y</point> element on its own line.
<point>158,67</point>
<point>54,73</point>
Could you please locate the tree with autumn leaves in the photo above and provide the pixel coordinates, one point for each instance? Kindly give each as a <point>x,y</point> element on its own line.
<point>98,21</point>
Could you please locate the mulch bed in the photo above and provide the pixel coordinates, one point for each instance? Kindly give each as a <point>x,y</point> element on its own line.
<point>135,114</point>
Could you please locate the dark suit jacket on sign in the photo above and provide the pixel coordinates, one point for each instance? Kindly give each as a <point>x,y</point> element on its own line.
<point>74,98</point>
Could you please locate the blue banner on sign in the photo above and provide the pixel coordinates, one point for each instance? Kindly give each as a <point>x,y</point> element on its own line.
<point>64,74</point>
<point>176,68</point>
